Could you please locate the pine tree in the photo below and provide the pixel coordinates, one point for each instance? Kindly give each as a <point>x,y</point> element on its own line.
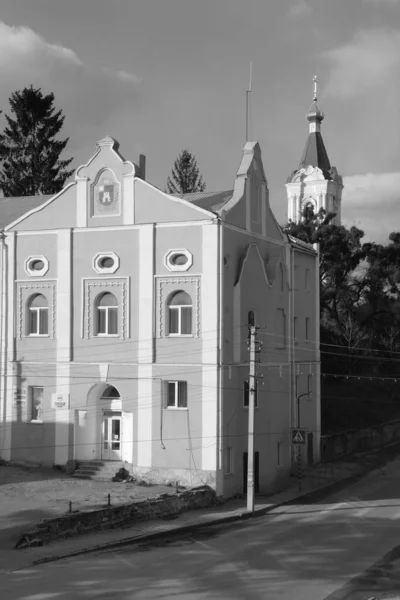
<point>185,177</point>
<point>29,153</point>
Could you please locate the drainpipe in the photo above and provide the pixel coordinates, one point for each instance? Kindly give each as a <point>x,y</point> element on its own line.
<point>292,341</point>
<point>220,313</point>
<point>3,345</point>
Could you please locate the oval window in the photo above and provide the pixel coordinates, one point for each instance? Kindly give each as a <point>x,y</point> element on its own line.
<point>178,259</point>
<point>36,265</point>
<point>106,262</point>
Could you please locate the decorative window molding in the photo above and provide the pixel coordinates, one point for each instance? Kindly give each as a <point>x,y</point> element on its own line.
<point>36,266</point>
<point>178,260</point>
<point>119,287</point>
<point>24,291</point>
<point>167,285</point>
<point>106,263</point>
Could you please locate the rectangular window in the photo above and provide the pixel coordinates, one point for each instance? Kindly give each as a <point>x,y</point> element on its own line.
<point>186,320</point>
<point>36,404</point>
<point>229,460</point>
<point>297,385</point>
<point>43,321</point>
<point>177,394</point>
<point>101,325</point>
<point>246,395</point>
<point>307,279</point>
<point>33,322</point>
<point>307,328</point>
<point>112,320</point>
<point>278,455</point>
<point>281,328</point>
<point>174,319</point>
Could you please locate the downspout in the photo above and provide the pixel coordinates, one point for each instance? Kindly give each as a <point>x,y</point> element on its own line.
<point>162,411</point>
<point>3,346</point>
<point>220,314</point>
<point>292,342</point>
<point>317,445</point>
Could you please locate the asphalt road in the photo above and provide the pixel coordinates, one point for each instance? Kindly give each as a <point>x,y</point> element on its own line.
<point>344,547</point>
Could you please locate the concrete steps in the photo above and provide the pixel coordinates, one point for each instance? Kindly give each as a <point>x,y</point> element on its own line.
<point>97,470</point>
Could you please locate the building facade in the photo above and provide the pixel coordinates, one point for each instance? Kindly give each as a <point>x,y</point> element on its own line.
<point>124,326</point>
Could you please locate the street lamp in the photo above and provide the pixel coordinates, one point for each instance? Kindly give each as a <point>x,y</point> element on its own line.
<point>298,407</point>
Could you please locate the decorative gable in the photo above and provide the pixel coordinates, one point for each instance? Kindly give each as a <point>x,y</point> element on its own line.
<point>105,194</point>
<point>249,206</point>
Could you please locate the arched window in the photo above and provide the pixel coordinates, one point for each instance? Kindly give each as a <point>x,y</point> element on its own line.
<point>38,315</point>
<point>107,314</point>
<point>110,392</point>
<point>180,314</point>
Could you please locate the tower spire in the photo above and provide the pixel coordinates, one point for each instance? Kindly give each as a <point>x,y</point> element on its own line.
<point>315,80</point>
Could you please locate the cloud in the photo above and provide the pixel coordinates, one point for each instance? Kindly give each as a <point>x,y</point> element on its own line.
<point>88,95</point>
<point>372,202</point>
<point>382,2</point>
<point>300,9</point>
<point>368,61</point>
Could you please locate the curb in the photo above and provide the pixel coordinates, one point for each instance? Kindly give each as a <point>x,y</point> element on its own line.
<point>312,496</point>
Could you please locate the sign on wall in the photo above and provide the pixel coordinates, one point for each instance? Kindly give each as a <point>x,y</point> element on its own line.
<point>60,401</point>
<point>19,396</point>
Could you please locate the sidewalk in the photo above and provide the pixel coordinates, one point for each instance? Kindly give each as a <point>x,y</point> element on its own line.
<point>317,483</point>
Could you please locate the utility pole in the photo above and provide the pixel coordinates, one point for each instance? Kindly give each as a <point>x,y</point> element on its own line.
<point>253,343</point>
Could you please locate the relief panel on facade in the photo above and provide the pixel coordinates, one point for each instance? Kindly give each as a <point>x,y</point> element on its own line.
<point>106,194</point>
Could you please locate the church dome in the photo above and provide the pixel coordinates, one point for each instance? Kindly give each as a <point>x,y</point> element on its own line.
<point>315,114</point>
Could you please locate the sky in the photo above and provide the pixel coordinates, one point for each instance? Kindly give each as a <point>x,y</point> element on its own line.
<point>163,75</point>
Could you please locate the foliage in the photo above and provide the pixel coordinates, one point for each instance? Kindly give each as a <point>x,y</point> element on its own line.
<point>185,177</point>
<point>359,296</point>
<point>29,152</point>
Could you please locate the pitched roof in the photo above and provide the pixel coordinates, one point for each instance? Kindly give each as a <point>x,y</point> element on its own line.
<point>13,207</point>
<point>315,154</point>
<point>212,201</point>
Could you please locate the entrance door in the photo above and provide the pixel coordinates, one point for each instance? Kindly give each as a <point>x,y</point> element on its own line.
<point>256,472</point>
<point>310,449</point>
<point>112,433</point>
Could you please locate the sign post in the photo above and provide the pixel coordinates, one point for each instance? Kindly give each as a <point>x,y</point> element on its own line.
<point>299,439</point>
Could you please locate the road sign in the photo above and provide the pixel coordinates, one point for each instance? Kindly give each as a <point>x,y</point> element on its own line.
<point>298,436</point>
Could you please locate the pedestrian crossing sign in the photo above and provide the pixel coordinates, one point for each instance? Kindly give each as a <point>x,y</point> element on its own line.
<point>298,436</point>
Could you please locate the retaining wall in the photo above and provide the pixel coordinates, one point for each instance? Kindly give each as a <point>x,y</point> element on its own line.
<point>124,515</point>
<point>352,441</point>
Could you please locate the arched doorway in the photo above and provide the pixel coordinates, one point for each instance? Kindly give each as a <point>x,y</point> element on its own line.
<point>111,439</point>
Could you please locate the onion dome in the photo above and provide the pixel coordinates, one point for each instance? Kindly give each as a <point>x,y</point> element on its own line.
<point>315,114</point>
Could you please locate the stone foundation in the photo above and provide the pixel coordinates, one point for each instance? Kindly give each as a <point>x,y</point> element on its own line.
<point>124,515</point>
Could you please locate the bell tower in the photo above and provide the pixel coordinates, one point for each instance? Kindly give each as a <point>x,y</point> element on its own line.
<point>314,183</point>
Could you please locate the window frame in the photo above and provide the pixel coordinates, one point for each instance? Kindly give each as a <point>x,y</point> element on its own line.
<point>36,310</point>
<point>105,309</point>
<point>281,341</point>
<point>31,403</point>
<point>178,308</point>
<point>178,385</point>
<point>308,329</point>
<point>246,394</point>
<point>279,464</point>
<point>309,385</point>
<point>228,463</point>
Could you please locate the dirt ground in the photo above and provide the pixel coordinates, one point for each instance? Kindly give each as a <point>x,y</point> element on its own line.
<point>29,495</point>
